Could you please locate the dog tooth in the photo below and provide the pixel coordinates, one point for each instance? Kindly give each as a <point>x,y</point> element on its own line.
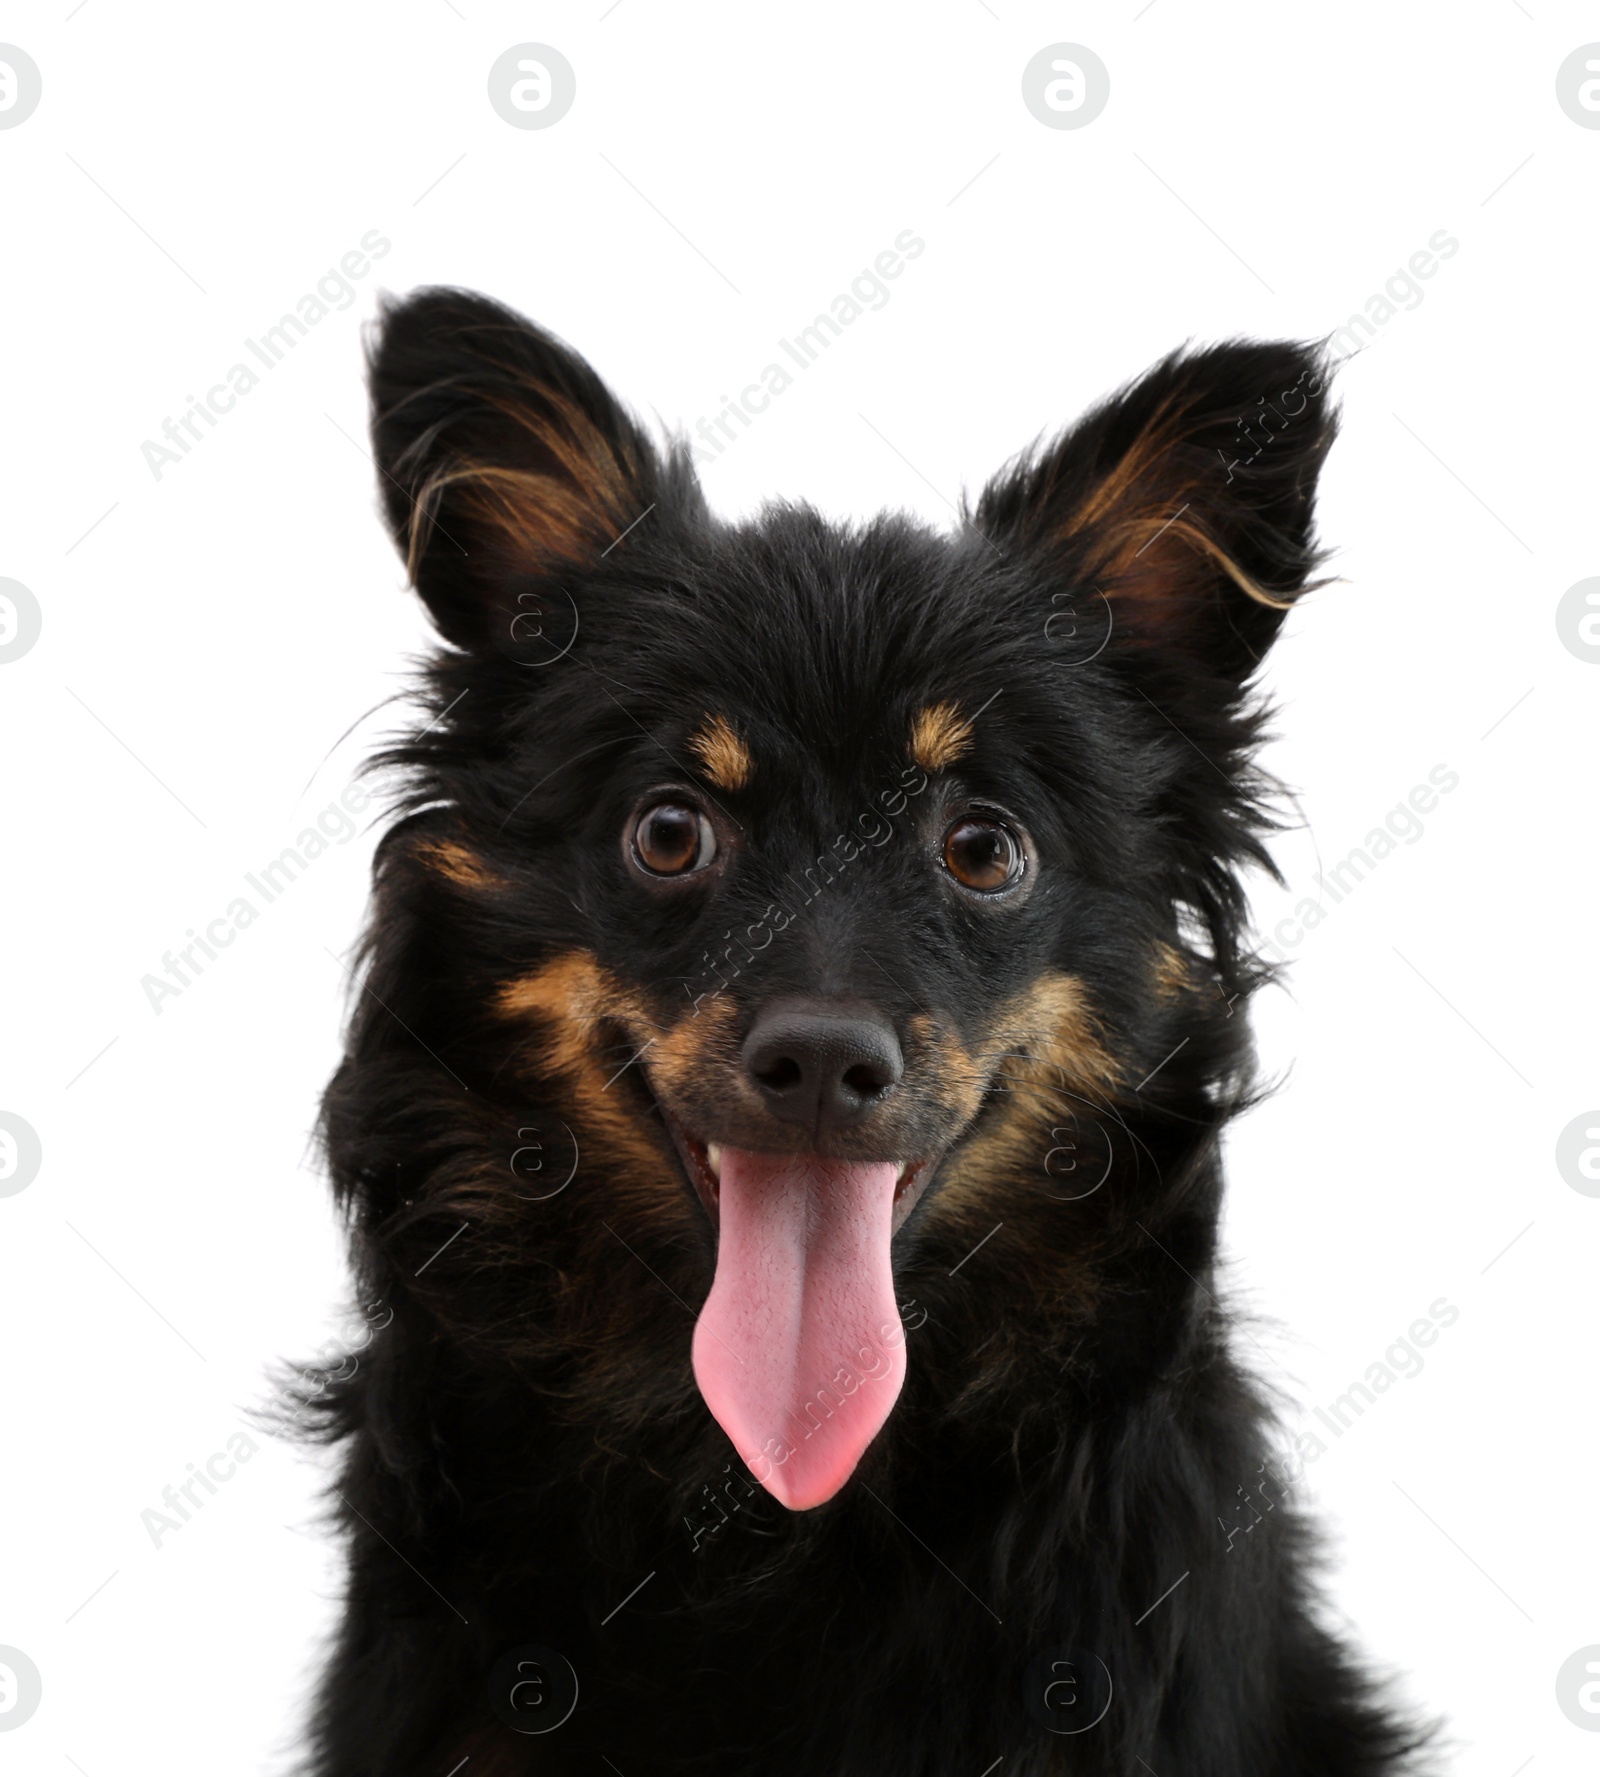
<point>714,1159</point>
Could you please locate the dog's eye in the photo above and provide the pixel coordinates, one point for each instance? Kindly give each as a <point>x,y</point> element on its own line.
<point>982,855</point>
<point>671,839</point>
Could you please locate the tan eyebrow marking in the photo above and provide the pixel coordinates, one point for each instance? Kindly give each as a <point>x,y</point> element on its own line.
<point>724,755</point>
<point>939,736</point>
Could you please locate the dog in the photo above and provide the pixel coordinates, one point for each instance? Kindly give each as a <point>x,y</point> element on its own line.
<point>806,984</point>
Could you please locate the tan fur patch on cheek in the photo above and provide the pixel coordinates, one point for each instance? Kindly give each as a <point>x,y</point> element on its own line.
<point>567,1000</point>
<point>1050,1058</point>
<point>449,858</point>
<point>680,1058</point>
<point>1171,973</point>
<point>962,1078</point>
<point>724,755</point>
<point>1055,1023</point>
<point>940,735</point>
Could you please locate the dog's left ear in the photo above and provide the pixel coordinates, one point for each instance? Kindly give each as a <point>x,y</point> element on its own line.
<point>1186,499</point>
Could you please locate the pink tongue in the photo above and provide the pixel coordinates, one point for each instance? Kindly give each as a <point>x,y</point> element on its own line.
<point>799,1350</point>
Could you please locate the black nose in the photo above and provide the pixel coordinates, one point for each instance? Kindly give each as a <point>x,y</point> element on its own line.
<point>821,1065</point>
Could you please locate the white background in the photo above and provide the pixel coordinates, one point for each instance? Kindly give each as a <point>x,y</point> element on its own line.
<point>725,171</point>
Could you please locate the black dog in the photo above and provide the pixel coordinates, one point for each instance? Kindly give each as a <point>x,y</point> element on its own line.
<point>780,1120</point>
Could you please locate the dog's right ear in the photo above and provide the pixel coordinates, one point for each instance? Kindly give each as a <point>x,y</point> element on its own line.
<point>503,460</point>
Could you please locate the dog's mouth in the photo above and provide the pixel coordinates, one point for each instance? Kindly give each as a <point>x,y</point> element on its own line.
<point>799,1349</point>
<point>702,1165</point>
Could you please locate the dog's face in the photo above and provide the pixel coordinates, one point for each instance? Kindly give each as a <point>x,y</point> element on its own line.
<point>834,892</point>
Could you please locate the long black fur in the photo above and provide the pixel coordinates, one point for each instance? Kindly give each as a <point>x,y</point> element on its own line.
<point>522,1443</point>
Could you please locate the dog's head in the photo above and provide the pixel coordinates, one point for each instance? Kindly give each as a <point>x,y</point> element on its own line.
<point>827,898</point>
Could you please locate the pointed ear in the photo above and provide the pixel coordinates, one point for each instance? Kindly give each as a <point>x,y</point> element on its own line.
<point>503,460</point>
<point>1186,499</point>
